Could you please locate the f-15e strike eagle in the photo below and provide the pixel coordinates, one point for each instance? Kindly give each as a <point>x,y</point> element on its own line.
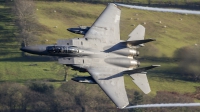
<point>103,55</point>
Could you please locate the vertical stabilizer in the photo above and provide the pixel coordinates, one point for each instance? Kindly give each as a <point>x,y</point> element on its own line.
<point>137,34</point>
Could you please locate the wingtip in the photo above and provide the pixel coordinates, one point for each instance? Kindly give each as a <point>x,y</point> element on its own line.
<point>152,39</point>
<point>123,107</point>
<point>147,92</point>
<point>115,4</point>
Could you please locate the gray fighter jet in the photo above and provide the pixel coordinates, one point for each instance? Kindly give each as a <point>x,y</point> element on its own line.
<point>103,55</point>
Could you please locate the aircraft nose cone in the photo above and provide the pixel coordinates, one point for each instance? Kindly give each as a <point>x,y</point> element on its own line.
<point>41,50</point>
<point>70,29</point>
<point>26,49</point>
<point>73,30</point>
<point>75,79</point>
<point>29,48</point>
<point>23,49</point>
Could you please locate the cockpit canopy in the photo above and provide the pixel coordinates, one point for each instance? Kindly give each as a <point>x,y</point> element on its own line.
<point>62,49</point>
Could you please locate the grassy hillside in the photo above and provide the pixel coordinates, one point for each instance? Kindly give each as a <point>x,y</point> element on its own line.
<point>13,67</point>
<point>178,32</point>
<point>56,17</point>
<point>178,26</point>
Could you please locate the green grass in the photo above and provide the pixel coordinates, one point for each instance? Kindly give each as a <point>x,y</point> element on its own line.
<point>75,14</point>
<point>177,34</point>
<point>66,15</point>
<point>164,84</point>
<point>14,67</point>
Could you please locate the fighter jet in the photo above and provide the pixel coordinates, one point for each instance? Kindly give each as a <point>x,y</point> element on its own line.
<point>103,55</point>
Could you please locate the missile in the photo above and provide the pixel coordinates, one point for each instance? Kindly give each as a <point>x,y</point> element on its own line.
<point>87,79</point>
<point>80,30</point>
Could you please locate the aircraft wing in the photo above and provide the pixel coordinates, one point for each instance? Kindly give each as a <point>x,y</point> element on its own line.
<point>106,27</point>
<point>114,88</point>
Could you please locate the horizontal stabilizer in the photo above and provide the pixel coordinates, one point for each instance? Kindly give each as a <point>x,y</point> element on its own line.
<point>138,42</point>
<point>140,70</point>
<point>140,79</point>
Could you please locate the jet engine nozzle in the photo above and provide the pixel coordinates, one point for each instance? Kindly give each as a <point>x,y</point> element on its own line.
<point>127,52</point>
<point>40,49</point>
<point>123,62</point>
<point>135,63</point>
<point>138,63</point>
<point>138,53</point>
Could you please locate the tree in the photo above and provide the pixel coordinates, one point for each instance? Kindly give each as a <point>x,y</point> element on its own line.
<point>149,2</point>
<point>138,99</point>
<point>171,97</point>
<point>26,21</point>
<point>66,72</point>
<point>13,97</point>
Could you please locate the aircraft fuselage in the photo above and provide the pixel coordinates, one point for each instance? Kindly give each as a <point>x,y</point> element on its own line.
<point>107,53</point>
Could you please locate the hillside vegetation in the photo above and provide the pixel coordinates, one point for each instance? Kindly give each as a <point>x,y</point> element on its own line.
<point>173,32</point>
